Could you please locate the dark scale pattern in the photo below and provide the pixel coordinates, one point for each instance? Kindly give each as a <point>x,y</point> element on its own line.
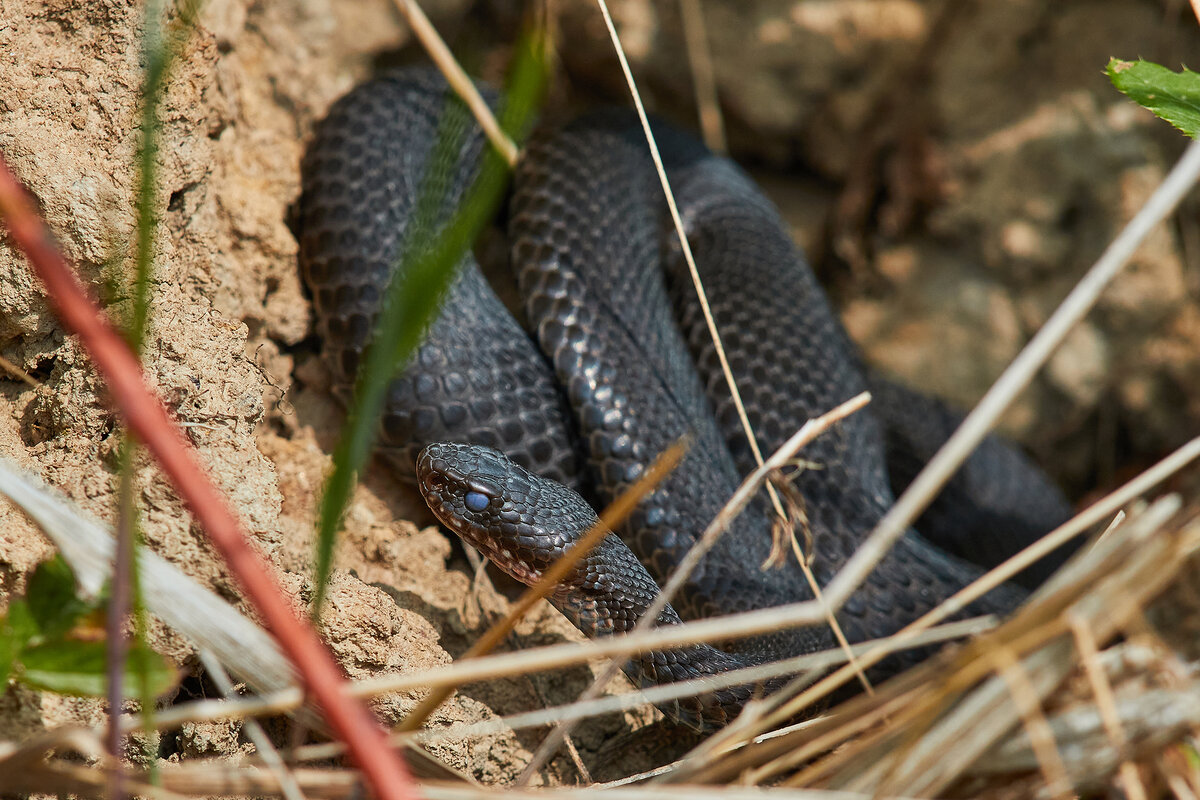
<point>792,361</point>
<point>484,382</point>
<point>587,234</point>
<point>586,226</point>
<point>587,244</point>
<point>997,504</point>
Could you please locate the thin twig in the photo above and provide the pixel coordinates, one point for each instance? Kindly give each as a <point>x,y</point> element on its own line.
<point>227,779</point>
<point>1112,526</point>
<point>742,496</point>
<point>120,599</point>
<point>458,79</point>
<point>266,751</point>
<point>583,709</point>
<point>713,629</point>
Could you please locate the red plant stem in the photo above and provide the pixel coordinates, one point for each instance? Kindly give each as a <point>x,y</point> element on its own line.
<point>349,718</point>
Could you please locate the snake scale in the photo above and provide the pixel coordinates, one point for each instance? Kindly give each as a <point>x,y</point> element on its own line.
<point>619,366</point>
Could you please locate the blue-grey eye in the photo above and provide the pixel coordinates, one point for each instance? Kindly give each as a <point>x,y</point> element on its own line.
<point>476,501</point>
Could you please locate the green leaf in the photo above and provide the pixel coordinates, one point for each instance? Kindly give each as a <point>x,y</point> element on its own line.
<point>80,668</point>
<point>17,627</point>
<point>53,600</point>
<point>1173,96</point>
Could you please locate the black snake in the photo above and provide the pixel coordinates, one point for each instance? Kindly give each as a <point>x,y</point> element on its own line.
<point>625,367</point>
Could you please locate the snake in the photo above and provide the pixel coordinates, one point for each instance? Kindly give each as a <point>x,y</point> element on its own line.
<point>515,430</point>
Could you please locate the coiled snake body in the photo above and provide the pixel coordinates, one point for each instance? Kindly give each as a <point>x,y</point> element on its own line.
<point>628,367</point>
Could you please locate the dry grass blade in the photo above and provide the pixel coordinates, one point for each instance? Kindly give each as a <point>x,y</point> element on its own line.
<point>64,779</point>
<point>446,792</point>
<point>952,729</point>
<point>1153,718</point>
<point>458,79</point>
<point>224,779</point>
<point>1112,526</point>
<point>17,372</point>
<point>623,702</point>
<point>809,662</point>
<point>17,758</point>
<point>685,246</point>
<point>181,602</point>
<point>742,496</point>
<point>710,323</point>
<point>712,124</point>
<point>1030,707</point>
<point>612,517</point>
<point>262,743</point>
<point>943,721</point>
<point>35,766</point>
<point>748,726</point>
<point>1106,704</point>
<point>987,713</point>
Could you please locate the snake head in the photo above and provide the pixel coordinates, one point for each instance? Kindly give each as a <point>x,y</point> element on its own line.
<point>520,521</point>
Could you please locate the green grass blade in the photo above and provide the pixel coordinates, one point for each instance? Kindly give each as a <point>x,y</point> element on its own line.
<point>424,273</point>
<point>159,52</point>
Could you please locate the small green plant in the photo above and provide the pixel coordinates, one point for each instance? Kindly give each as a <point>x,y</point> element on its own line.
<point>1173,96</point>
<point>51,639</point>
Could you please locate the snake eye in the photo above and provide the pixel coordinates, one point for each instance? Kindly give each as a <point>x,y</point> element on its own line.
<point>476,501</point>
